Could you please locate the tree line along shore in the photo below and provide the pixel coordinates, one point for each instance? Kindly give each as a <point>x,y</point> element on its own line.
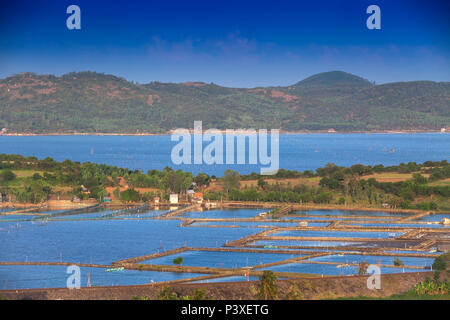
<point>32,181</point>
<point>145,133</point>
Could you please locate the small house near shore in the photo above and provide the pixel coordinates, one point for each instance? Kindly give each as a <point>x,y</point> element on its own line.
<point>173,199</point>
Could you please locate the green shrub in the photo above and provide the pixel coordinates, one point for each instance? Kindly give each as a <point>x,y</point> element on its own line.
<point>7,175</point>
<point>178,260</point>
<point>441,262</point>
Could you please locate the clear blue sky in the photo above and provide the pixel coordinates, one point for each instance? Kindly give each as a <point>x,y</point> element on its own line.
<point>232,43</point>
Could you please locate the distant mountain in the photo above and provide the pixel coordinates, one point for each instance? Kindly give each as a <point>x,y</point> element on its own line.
<point>93,102</point>
<point>334,78</point>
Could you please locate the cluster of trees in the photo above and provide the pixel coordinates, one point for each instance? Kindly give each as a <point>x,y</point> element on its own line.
<point>337,184</point>
<point>266,192</point>
<point>310,195</point>
<point>397,194</point>
<point>343,185</point>
<point>437,169</point>
<point>94,177</point>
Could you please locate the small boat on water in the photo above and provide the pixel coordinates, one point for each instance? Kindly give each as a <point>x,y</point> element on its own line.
<point>115,269</point>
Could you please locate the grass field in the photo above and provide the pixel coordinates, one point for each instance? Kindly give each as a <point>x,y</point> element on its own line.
<point>391,176</point>
<point>445,182</point>
<point>314,181</point>
<point>25,173</point>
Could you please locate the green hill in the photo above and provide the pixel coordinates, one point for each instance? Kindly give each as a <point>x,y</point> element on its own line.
<point>334,78</point>
<point>93,102</point>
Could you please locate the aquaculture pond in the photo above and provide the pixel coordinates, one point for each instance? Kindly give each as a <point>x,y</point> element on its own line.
<point>104,241</point>
<point>6,210</point>
<point>434,217</point>
<point>307,251</point>
<point>228,279</point>
<point>44,276</point>
<point>304,243</point>
<point>91,214</point>
<point>223,259</point>
<point>56,214</point>
<point>386,260</point>
<point>145,214</point>
<point>330,270</point>
<point>336,234</point>
<point>399,225</point>
<point>255,224</point>
<point>408,251</point>
<point>350,213</point>
<point>328,218</point>
<point>16,217</point>
<point>224,213</point>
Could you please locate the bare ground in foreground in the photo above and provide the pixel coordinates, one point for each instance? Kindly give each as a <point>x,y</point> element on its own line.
<point>314,288</point>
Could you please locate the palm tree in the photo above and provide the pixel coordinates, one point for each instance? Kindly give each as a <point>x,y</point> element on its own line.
<point>267,288</point>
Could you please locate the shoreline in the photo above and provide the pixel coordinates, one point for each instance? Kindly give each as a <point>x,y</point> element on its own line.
<point>26,134</point>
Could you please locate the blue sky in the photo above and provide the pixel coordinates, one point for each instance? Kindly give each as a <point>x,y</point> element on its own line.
<point>231,43</point>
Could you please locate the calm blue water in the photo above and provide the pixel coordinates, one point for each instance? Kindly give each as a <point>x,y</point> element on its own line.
<point>330,270</point>
<point>223,259</point>
<point>411,261</point>
<point>400,225</point>
<point>297,152</point>
<point>228,279</point>
<point>404,251</point>
<point>16,217</point>
<point>92,214</point>
<point>255,224</point>
<point>326,218</point>
<point>335,234</point>
<point>434,217</point>
<point>105,241</point>
<point>350,213</point>
<point>223,213</point>
<point>303,243</point>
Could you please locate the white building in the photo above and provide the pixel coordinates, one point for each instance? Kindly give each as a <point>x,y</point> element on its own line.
<point>173,198</point>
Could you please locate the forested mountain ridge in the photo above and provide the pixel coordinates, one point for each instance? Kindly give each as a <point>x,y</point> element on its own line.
<point>93,102</point>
